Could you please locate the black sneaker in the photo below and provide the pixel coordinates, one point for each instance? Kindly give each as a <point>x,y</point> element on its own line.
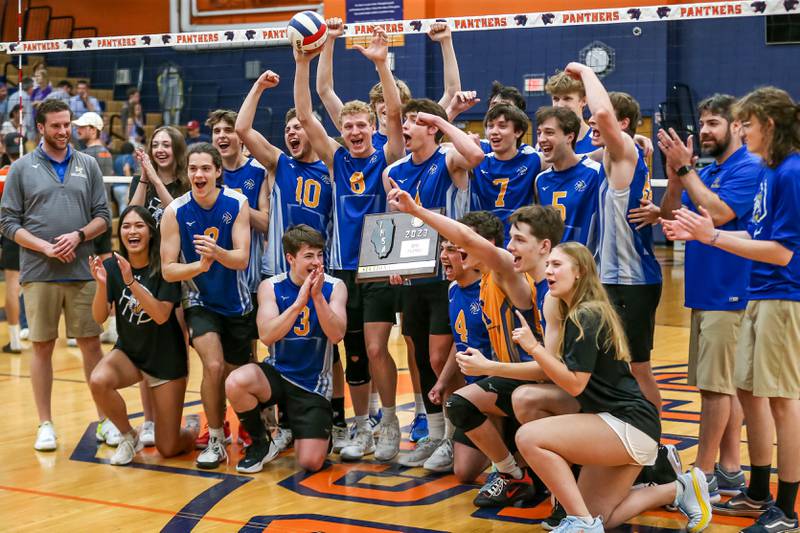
<point>259,453</point>
<point>555,518</point>
<point>772,521</point>
<point>743,505</point>
<point>503,490</point>
<point>8,349</point>
<point>667,468</point>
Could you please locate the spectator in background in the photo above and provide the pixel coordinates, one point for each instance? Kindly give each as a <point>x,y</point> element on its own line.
<point>9,261</point>
<point>28,127</point>
<point>62,92</point>
<point>11,125</point>
<point>43,87</point>
<point>135,125</point>
<point>193,134</point>
<point>83,102</point>
<point>124,165</point>
<point>134,97</point>
<point>3,102</point>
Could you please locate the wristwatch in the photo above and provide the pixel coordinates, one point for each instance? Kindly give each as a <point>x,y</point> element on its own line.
<point>685,169</point>
<point>81,235</point>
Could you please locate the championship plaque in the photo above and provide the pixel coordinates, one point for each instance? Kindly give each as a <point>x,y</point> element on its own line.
<point>397,243</point>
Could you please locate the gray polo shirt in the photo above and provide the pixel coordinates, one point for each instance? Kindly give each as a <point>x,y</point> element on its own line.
<point>34,198</point>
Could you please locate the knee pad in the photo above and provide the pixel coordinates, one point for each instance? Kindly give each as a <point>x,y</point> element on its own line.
<point>463,413</point>
<point>357,367</point>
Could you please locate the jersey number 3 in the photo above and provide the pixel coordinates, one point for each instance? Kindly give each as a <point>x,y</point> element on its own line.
<point>302,328</point>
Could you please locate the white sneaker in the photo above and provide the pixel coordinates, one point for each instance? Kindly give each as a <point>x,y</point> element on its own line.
<point>692,499</point>
<point>420,454</point>
<point>339,438</point>
<point>147,433</point>
<point>72,343</point>
<point>109,336</point>
<point>388,440</point>
<point>107,432</point>
<point>46,438</point>
<point>213,455</point>
<point>363,444</point>
<point>441,460</point>
<point>283,438</point>
<point>126,450</point>
<point>24,334</point>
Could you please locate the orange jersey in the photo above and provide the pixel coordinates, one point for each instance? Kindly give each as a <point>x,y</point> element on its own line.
<point>500,319</point>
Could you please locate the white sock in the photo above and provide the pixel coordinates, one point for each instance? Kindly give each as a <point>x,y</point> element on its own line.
<point>362,422</point>
<point>419,405</point>
<point>389,413</point>
<point>436,426</point>
<point>13,337</point>
<point>374,404</point>
<point>509,466</point>
<point>112,326</point>
<point>449,428</point>
<point>216,433</point>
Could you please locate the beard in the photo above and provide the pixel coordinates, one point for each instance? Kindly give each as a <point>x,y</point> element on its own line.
<point>718,148</point>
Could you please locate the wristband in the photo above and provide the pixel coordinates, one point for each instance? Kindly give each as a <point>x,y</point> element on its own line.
<point>129,284</point>
<point>81,235</point>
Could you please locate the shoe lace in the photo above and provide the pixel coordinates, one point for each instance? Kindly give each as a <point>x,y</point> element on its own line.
<point>498,486</point>
<point>363,438</point>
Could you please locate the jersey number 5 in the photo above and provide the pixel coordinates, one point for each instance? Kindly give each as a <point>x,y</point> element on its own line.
<point>461,326</point>
<point>357,183</point>
<point>560,195</point>
<point>307,193</point>
<point>302,328</point>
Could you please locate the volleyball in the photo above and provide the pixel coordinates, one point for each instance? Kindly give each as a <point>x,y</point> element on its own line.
<point>307,31</point>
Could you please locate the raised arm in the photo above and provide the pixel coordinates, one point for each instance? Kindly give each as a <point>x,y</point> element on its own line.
<point>377,52</point>
<point>440,33</point>
<point>331,101</point>
<point>259,216</point>
<point>260,148</point>
<point>323,145</point>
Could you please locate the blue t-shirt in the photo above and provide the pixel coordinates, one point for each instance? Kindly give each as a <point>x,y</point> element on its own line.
<point>221,289</point>
<point>573,192</point>
<point>716,280</point>
<point>776,217</point>
<point>305,355</point>
<point>358,191</point>
<point>249,180</point>
<point>302,194</point>
<point>584,145</point>
<point>624,254</point>
<point>502,187</point>
<point>466,320</point>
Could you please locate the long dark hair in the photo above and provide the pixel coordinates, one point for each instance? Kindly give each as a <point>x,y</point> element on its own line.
<point>154,252</point>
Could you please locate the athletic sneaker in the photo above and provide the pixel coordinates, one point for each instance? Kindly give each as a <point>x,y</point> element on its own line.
<point>338,438</point>
<point>109,336</point>
<point>713,488</point>
<point>46,438</point>
<point>420,454</point>
<point>243,438</point>
<point>24,334</point>
<point>504,491</point>
<point>388,444</point>
<point>692,499</point>
<point>744,505</point>
<point>774,520</point>
<point>126,450</point>
<point>283,439</point>
<point>202,440</point>
<point>256,455</point>
<point>556,516</point>
<point>375,421</point>
<point>575,524</point>
<point>8,349</point>
<point>212,455</point>
<point>666,469</point>
<point>72,343</point>
<point>441,460</point>
<point>107,432</point>
<point>419,428</point>
<point>729,483</point>
<point>363,444</point>
<point>147,433</point>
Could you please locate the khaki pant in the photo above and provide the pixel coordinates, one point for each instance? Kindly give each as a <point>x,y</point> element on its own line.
<point>45,301</point>
<point>712,350</point>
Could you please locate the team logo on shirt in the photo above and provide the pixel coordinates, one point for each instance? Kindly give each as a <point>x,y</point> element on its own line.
<point>760,202</point>
<point>373,159</point>
<point>521,171</point>
<point>474,308</point>
<point>78,171</point>
<point>227,218</point>
<point>249,184</point>
<point>433,169</point>
<point>580,186</point>
<point>132,309</point>
<point>716,183</point>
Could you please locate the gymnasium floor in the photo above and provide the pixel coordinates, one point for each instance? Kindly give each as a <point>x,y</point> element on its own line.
<point>75,489</point>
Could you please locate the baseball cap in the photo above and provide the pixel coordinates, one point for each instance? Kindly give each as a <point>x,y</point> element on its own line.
<point>193,125</point>
<point>90,118</point>
<point>11,140</point>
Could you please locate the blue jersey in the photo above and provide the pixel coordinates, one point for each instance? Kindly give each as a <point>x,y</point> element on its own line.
<point>716,280</point>
<point>585,146</point>
<point>305,355</point>
<point>429,182</point>
<point>466,320</point>
<point>573,192</point>
<point>379,140</point>
<point>624,254</point>
<point>503,186</point>
<point>542,288</point>
<point>776,218</point>
<point>358,191</point>
<point>249,180</point>
<point>221,289</point>
<point>301,194</point>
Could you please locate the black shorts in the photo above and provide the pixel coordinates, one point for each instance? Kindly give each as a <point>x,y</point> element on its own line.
<point>102,243</point>
<point>235,332</point>
<point>425,309</point>
<point>310,416</point>
<point>636,306</point>
<point>367,302</point>
<point>9,259</point>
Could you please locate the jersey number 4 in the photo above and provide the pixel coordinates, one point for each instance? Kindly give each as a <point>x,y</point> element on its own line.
<point>307,192</point>
<point>461,326</point>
